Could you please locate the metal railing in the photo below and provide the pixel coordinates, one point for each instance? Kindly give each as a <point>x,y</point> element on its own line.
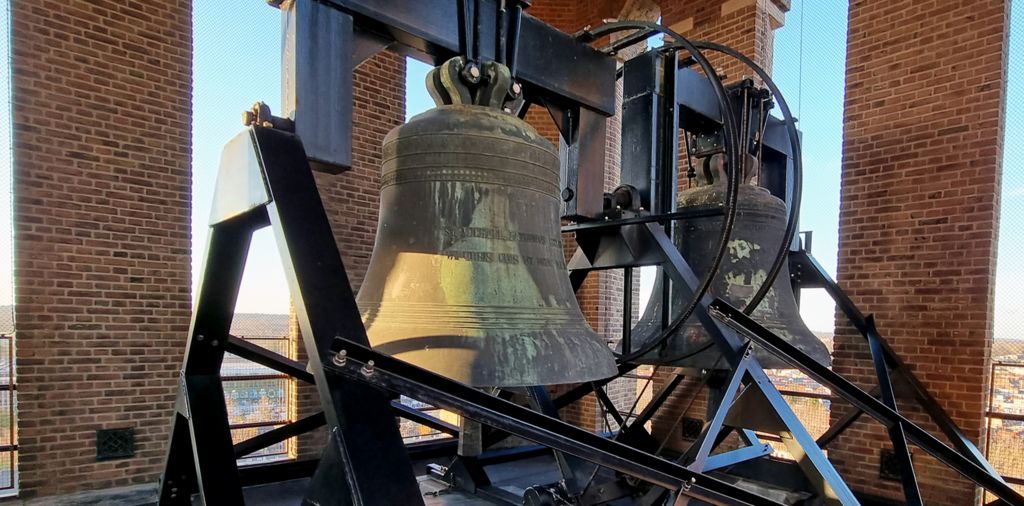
<point>259,399</point>
<point>8,417</point>
<point>1005,418</point>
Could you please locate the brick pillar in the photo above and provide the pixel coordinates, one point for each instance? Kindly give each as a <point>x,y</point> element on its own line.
<point>352,198</point>
<point>102,142</point>
<point>919,211</point>
<point>747,26</point>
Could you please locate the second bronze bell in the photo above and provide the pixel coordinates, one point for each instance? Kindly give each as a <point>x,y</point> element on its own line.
<point>759,227</point>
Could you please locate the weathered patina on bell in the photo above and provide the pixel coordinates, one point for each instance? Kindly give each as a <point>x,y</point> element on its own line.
<point>467,277</point>
<point>758,230</point>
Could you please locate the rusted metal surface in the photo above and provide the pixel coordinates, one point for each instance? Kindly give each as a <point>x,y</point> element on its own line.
<point>468,278</point>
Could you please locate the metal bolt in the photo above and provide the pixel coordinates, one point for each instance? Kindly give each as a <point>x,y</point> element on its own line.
<point>473,71</point>
<point>199,337</point>
<point>516,89</point>
<point>690,483</point>
<point>341,358</point>
<point>214,343</point>
<point>368,368</point>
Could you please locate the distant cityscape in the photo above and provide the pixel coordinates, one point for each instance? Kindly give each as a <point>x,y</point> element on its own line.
<point>260,396</point>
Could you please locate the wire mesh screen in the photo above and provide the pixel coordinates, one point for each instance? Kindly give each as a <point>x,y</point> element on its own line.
<point>8,400</point>
<point>808,64</point>
<point>1006,417</point>
<point>413,432</point>
<point>1006,404</point>
<point>810,402</point>
<point>8,426</point>
<point>259,399</point>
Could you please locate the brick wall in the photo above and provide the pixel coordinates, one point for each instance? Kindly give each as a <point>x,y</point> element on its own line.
<point>102,119</point>
<point>745,25</point>
<point>919,211</point>
<point>352,198</point>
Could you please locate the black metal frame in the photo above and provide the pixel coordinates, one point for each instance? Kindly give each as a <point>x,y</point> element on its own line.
<point>266,179</point>
<point>364,437</point>
<point>325,40</point>
<point>964,457</point>
<point>277,189</point>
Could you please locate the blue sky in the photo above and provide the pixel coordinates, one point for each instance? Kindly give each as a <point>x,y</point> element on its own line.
<point>235,67</point>
<point>6,184</point>
<point>809,66</point>
<point>1010,263</point>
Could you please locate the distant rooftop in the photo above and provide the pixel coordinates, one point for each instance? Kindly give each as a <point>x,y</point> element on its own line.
<point>259,325</point>
<point>251,325</point>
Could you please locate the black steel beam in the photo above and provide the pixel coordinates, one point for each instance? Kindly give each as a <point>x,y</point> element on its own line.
<point>412,414</point>
<point>316,80</point>
<point>279,434</point>
<point>581,133</point>
<point>363,435</point>
<point>644,96</point>
<point>609,406</point>
<point>659,398</point>
<point>200,456</point>
<point>373,368</point>
<point>659,218</point>
<point>262,356</point>
<point>896,432</point>
<point>961,442</point>
<point>441,447</point>
<point>864,401</point>
<point>583,389</point>
<point>549,61</point>
<point>842,424</point>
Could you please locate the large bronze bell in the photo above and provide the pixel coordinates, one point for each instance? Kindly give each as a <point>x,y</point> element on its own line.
<point>758,230</point>
<point>468,277</point>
